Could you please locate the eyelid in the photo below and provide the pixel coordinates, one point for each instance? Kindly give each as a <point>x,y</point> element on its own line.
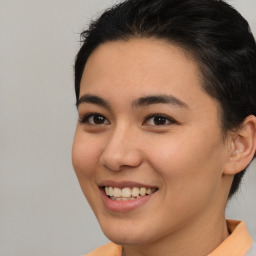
<point>84,119</point>
<point>168,118</point>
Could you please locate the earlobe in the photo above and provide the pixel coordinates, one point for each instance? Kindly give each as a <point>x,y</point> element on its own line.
<point>243,147</point>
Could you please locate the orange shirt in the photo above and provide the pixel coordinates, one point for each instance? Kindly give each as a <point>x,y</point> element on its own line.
<point>237,244</point>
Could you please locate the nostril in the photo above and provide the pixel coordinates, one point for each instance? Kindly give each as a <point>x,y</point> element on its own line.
<point>119,162</point>
<point>120,152</point>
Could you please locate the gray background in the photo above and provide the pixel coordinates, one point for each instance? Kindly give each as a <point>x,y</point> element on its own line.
<point>42,210</point>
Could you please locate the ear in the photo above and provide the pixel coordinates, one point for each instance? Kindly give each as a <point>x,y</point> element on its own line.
<point>242,147</point>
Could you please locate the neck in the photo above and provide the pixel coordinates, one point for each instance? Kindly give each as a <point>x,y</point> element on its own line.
<point>199,239</point>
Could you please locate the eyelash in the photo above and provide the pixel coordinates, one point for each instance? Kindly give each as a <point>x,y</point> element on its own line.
<point>163,117</point>
<point>86,119</point>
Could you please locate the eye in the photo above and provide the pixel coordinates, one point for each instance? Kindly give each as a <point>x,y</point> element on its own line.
<point>94,119</point>
<point>158,120</point>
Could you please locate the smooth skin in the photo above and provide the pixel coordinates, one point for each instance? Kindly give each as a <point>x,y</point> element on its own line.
<point>176,146</point>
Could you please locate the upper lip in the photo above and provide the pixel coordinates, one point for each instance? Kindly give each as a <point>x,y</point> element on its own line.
<point>123,184</point>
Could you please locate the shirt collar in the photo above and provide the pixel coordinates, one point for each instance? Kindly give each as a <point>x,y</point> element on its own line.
<point>237,243</point>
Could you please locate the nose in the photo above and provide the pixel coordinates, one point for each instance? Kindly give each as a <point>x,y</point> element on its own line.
<point>121,150</point>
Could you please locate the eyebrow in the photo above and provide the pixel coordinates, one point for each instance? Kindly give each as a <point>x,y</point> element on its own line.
<point>93,99</point>
<point>140,102</point>
<point>159,99</point>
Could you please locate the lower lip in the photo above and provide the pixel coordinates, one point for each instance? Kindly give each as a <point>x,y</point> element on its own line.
<point>124,206</point>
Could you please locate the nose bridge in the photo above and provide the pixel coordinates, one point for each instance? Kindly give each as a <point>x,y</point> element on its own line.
<point>121,149</point>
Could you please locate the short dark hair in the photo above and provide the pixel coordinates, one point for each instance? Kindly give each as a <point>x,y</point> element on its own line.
<point>217,37</point>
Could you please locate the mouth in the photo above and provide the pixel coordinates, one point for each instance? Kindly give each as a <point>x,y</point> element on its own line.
<point>126,196</point>
<point>127,193</point>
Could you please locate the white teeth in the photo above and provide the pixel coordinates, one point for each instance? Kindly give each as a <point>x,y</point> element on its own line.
<point>117,192</point>
<point>143,191</point>
<point>128,193</point>
<point>149,191</point>
<point>135,192</point>
<point>123,198</point>
<point>110,191</point>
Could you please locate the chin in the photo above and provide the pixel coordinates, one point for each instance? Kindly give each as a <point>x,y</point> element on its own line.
<point>126,239</point>
<point>125,235</point>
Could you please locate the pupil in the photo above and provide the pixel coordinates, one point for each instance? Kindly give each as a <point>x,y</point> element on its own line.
<point>98,119</point>
<point>159,120</point>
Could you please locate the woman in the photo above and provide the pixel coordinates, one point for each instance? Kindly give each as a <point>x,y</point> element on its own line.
<point>166,97</point>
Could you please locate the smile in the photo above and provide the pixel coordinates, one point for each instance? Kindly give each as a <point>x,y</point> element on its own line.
<point>128,193</point>
<point>126,196</point>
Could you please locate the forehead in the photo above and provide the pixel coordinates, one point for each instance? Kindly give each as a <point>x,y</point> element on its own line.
<point>138,67</point>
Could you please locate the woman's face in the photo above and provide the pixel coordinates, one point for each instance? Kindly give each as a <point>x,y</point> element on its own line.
<point>147,126</point>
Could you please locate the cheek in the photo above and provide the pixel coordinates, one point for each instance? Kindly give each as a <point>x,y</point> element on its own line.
<point>85,155</point>
<point>187,164</point>
<point>190,179</point>
<point>85,159</point>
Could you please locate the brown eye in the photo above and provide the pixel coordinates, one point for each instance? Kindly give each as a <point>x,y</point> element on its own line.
<point>94,119</point>
<point>158,120</point>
